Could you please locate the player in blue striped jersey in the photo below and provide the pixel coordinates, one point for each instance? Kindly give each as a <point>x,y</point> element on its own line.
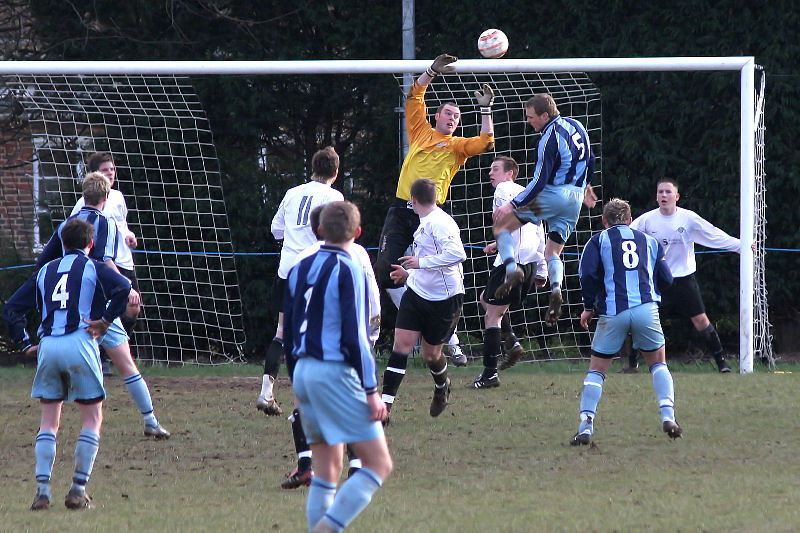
<point>115,341</point>
<point>333,372</point>
<point>96,186</point>
<point>79,299</point>
<point>620,271</point>
<point>560,183</point>
<point>105,248</point>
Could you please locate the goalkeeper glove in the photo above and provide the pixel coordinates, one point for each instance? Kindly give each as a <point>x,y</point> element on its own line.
<point>441,65</point>
<point>485,99</point>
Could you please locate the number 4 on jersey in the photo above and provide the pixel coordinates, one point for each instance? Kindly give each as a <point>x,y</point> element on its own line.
<point>60,293</point>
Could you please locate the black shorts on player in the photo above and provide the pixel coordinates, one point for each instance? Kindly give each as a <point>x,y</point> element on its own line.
<point>682,298</point>
<point>397,235</point>
<point>435,321</point>
<point>518,294</point>
<point>276,298</point>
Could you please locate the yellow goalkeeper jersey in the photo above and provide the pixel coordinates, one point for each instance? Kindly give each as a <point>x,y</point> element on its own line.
<point>431,154</point>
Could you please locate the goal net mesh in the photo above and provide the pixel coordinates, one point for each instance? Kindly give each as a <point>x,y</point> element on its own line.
<point>168,172</point>
<point>470,200</point>
<point>761,326</point>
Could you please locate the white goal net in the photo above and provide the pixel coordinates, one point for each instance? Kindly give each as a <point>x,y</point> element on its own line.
<point>167,169</point>
<point>761,324</point>
<point>147,115</point>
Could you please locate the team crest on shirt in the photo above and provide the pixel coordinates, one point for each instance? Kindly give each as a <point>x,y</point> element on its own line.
<point>681,229</point>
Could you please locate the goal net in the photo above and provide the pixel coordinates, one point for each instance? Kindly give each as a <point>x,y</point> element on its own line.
<point>761,325</point>
<point>167,170</point>
<point>148,116</point>
<point>471,193</point>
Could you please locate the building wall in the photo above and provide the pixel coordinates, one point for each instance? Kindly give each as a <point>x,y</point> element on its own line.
<point>17,209</point>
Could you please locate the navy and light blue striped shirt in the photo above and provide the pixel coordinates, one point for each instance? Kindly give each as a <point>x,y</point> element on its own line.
<point>564,157</point>
<point>105,238</point>
<point>76,287</point>
<point>621,268</point>
<point>325,314</point>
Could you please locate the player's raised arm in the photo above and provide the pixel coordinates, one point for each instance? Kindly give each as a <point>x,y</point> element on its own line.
<point>441,65</point>
<point>485,99</point>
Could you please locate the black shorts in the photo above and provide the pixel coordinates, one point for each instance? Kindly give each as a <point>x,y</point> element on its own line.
<point>518,294</point>
<point>131,275</point>
<point>682,298</point>
<point>276,300</point>
<point>397,235</point>
<point>436,321</point>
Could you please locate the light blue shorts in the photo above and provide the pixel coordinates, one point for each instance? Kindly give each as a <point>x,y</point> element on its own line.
<point>558,205</point>
<point>68,368</point>
<point>641,321</point>
<point>115,335</point>
<point>332,402</point>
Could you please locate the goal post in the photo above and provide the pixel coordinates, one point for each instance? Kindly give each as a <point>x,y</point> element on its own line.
<point>745,65</point>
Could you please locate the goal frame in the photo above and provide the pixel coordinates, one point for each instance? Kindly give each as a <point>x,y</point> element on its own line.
<point>744,64</point>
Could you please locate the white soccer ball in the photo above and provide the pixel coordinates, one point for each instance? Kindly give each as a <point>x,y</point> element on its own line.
<point>493,43</point>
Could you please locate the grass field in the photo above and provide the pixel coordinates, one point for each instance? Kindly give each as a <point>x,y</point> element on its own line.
<point>496,460</point>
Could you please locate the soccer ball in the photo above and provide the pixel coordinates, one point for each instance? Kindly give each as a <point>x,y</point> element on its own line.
<point>493,43</point>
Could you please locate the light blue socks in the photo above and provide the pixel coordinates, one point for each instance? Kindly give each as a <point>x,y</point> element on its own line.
<point>45,451</point>
<point>590,397</point>
<point>555,271</point>
<point>320,498</point>
<point>665,390</point>
<point>353,497</point>
<point>141,395</point>
<point>85,452</point>
<point>505,247</point>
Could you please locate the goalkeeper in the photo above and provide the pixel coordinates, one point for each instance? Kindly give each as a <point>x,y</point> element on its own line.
<point>434,153</point>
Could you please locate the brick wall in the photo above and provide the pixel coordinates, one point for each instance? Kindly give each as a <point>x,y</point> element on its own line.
<point>16,196</point>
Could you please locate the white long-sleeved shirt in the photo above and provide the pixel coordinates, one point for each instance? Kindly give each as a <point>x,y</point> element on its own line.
<point>677,234</point>
<point>361,257</point>
<point>529,240</point>
<point>291,222</point>
<point>437,244</point>
<point>117,210</point>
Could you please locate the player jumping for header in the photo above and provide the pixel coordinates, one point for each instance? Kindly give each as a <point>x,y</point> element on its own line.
<point>559,185</point>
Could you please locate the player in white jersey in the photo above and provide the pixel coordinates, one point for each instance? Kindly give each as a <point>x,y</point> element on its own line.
<point>291,223</point>
<point>677,230</point>
<point>116,209</point>
<point>432,304</point>
<point>303,472</point>
<point>529,243</point>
